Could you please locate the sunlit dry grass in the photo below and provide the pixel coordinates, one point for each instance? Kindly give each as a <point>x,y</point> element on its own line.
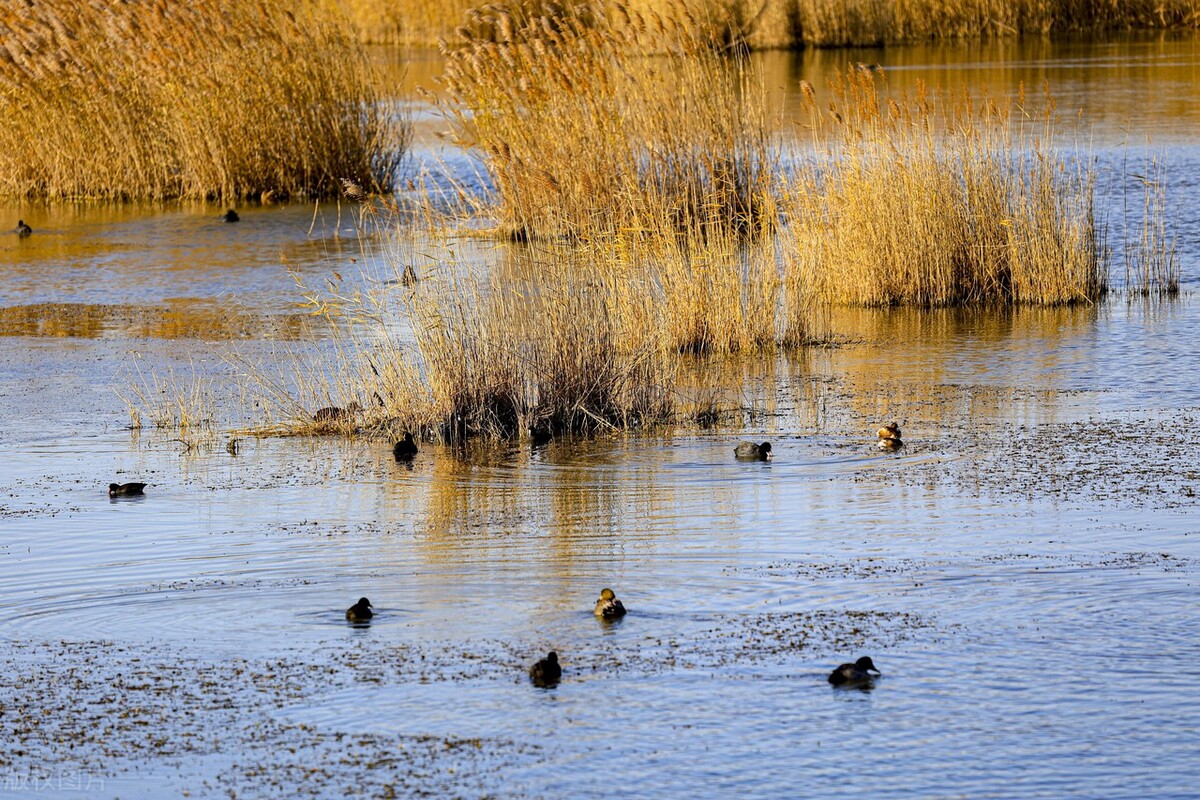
<point>833,23</point>
<point>1151,259</point>
<point>182,404</point>
<point>201,99</point>
<point>941,201</point>
<point>593,124</point>
<point>463,352</point>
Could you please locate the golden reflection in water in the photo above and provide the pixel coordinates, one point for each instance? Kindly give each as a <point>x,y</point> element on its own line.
<point>572,494</point>
<point>1141,84</point>
<point>950,369</point>
<point>180,319</point>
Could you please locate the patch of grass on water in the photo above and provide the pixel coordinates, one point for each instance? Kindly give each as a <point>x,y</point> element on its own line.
<point>958,199</point>
<point>202,99</point>
<point>598,123</point>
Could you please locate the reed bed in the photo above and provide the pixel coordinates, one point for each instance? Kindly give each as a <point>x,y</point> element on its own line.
<point>840,23</point>
<point>816,23</point>
<point>942,201</point>
<point>546,338</point>
<point>162,99</point>
<point>464,353</point>
<point>586,133</point>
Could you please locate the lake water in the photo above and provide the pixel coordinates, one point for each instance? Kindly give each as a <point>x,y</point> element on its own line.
<point>1024,572</point>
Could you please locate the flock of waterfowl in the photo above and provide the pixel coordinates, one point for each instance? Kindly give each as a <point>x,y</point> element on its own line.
<point>547,672</point>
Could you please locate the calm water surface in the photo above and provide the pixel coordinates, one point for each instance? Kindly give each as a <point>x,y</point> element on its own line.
<point>1024,572</point>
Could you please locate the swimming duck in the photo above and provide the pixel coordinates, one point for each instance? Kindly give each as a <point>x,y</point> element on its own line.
<point>608,606</point>
<point>231,216</point>
<point>749,451</point>
<point>125,489</point>
<point>360,611</point>
<point>546,672</point>
<point>405,449</point>
<point>856,675</point>
<point>890,431</point>
<point>23,230</point>
<point>540,434</point>
<point>336,413</point>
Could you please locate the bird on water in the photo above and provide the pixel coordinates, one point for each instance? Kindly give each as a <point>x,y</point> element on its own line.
<point>608,606</point>
<point>749,451</point>
<point>360,611</point>
<point>126,489</point>
<point>546,672</point>
<point>855,676</point>
<point>405,449</point>
<point>889,437</point>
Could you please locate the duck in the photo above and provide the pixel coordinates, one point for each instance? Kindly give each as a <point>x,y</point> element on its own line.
<point>336,413</point>
<point>231,216</point>
<point>405,449</point>
<point>23,230</point>
<point>540,434</point>
<point>608,607</point>
<point>890,431</point>
<point>126,489</point>
<point>749,451</point>
<point>856,675</point>
<point>546,672</point>
<point>360,611</point>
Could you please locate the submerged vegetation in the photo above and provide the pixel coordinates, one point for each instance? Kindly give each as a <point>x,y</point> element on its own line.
<point>163,100</point>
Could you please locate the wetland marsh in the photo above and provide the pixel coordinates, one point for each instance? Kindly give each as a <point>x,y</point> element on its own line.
<point>1024,571</point>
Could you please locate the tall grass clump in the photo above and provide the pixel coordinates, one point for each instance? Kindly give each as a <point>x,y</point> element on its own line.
<point>608,121</point>
<point>200,99</point>
<point>935,202</point>
<point>493,352</point>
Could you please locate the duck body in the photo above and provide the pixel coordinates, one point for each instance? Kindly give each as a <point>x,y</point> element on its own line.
<point>889,437</point>
<point>608,607</point>
<point>856,675</point>
<point>405,449</point>
<point>126,489</point>
<point>360,611</point>
<point>890,431</point>
<point>547,671</point>
<point>23,230</point>
<point>749,451</point>
<point>336,413</point>
<point>230,216</point>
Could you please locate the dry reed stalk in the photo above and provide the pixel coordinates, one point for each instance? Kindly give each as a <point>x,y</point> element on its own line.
<point>165,99</point>
<point>169,402</point>
<point>940,202</point>
<point>1152,260</point>
<point>584,131</point>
